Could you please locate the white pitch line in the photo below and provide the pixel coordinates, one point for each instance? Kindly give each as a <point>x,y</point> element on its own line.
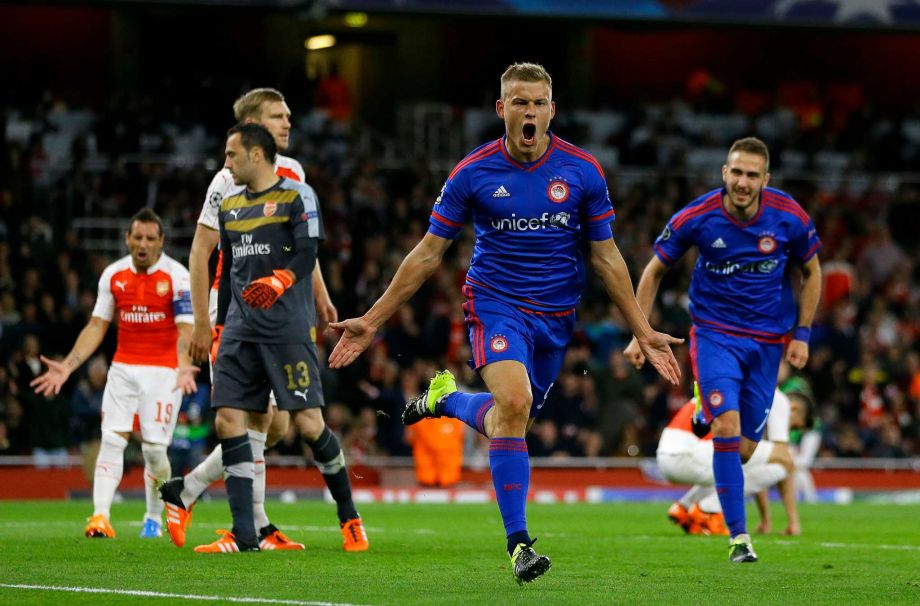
<point>831,545</point>
<point>157,594</point>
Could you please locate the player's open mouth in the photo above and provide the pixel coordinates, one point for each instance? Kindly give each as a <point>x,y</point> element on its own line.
<point>529,133</point>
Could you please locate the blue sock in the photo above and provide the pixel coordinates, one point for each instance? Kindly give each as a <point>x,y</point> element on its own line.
<point>510,465</point>
<point>726,467</point>
<point>471,408</point>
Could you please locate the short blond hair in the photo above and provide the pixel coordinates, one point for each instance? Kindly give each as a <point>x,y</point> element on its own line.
<point>250,104</point>
<point>526,72</point>
<point>752,145</point>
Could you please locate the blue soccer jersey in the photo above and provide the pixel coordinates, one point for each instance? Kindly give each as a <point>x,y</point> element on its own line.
<point>530,221</point>
<point>740,283</point>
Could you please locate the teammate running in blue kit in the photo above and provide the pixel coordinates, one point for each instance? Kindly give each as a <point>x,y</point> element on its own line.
<point>743,310</point>
<point>536,203</point>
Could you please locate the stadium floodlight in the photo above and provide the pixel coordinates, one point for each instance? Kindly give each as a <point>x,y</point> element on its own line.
<point>355,19</point>
<point>319,42</point>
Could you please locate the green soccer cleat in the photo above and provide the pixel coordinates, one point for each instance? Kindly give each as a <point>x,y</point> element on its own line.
<point>423,406</point>
<point>741,551</point>
<point>527,564</point>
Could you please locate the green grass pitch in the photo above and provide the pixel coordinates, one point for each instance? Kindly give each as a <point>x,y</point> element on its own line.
<point>454,554</point>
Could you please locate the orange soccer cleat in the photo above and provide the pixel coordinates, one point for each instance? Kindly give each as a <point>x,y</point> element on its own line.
<point>99,528</point>
<point>275,540</point>
<point>178,518</point>
<point>716,524</point>
<point>354,535</point>
<point>678,514</point>
<point>225,544</point>
<point>706,523</point>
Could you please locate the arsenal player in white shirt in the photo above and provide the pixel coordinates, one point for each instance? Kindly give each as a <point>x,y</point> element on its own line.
<point>265,106</point>
<point>150,372</point>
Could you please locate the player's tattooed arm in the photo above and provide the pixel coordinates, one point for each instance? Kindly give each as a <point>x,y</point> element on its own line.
<point>185,374</point>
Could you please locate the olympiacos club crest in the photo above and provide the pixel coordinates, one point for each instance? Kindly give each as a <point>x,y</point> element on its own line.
<point>558,191</point>
<point>715,398</point>
<point>498,344</point>
<point>766,245</point>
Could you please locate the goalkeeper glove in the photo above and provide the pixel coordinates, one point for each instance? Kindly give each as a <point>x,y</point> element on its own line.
<point>265,291</point>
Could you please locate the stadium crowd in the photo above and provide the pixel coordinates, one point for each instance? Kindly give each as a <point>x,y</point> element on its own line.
<point>842,159</point>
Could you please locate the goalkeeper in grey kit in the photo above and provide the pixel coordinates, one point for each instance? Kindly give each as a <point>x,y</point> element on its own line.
<point>270,229</point>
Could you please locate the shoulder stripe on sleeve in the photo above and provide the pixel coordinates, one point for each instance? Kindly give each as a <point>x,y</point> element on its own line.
<point>812,251</point>
<point>483,152</point>
<point>609,213</point>
<point>445,220</point>
<point>662,254</point>
<point>579,153</point>
<point>688,213</point>
<point>787,204</point>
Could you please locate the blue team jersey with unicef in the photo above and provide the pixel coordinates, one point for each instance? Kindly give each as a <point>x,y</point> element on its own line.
<point>740,283</point>
<point>531,221</point>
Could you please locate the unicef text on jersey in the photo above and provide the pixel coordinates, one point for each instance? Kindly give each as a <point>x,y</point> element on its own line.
<point>544,221</point>
<point>730,267</point>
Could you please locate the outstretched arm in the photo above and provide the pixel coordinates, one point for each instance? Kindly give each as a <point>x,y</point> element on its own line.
<point>797,352</point>
<point>358,333</point>
<point>49,384</point>
<point>645,296</point>
<point>611,268</point>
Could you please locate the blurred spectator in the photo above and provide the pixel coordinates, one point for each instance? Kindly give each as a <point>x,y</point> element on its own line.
<point>437,450</point>
<point>86,412</point>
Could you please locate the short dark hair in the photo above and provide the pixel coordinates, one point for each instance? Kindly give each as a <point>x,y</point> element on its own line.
<point>146,215</point>
<point>256,135</point>
<point>752,145</point>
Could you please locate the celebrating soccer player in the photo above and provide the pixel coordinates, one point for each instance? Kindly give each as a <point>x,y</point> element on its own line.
<point>150,372</point>
<point>270,231</point>
<point>536,201</point>
<point>749,237</point>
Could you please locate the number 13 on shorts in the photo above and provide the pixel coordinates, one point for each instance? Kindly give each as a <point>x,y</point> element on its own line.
<point>298,375</point>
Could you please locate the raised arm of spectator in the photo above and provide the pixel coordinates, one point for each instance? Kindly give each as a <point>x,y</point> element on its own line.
<point>203,245</point>
<point>610,267</point>
<point>358,333</point>
<point>49,384</point>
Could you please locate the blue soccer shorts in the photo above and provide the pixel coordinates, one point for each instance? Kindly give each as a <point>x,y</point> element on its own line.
<point>500,330</point>
<point>735,373</point>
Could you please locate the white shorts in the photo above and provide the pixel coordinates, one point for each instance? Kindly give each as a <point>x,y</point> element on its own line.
<point>146,391</point>
<point>761,455</point>
<point>685,459</point>
<point>212,316</point>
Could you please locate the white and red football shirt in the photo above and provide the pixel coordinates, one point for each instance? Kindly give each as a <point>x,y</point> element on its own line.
<point>148,306</point>
<point>222,185</point>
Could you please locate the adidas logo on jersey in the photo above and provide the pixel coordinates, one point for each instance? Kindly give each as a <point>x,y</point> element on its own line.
<point>501,192</point>
<point>719,243</point>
